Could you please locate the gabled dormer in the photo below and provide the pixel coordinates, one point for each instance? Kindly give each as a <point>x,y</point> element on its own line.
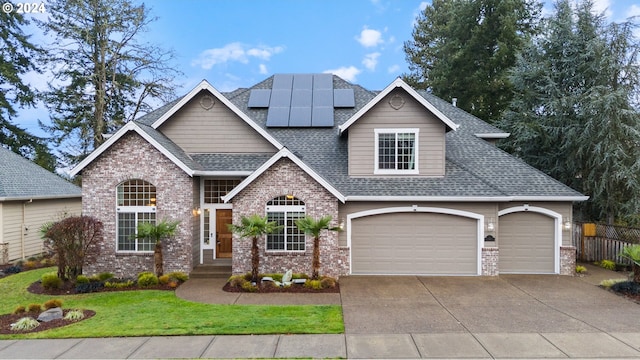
<point>398,133</point>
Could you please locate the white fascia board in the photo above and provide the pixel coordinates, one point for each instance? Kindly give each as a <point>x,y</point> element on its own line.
<point>493,135</point>
<point>398,83</point>
<point>284,152</point>
<point>130,126</point>
<point>467,198</point>
<point>222,173</point>
<point>39,197</point>
<point>204,85</point>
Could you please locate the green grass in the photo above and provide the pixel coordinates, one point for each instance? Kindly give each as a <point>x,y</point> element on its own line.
<point>155,312</point>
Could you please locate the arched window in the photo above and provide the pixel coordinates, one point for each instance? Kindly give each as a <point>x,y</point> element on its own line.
<point>136,203</point>
<point>285,210</point>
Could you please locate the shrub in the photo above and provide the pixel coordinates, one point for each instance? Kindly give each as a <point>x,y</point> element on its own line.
<point>19,310</point>
<point>179,276</point>
<point>328,283</point>
<point>581,269</point>
<point>89,287</point>
<point>300,276</point>
<point>104,276</point>
<point>34,308</point>
<point>147,279</point>
<point>30,264</point>
<point>237,280</point>
<point>82,279</point>
<point>608,264</point>
<point>47,262</point>
<point>74,315</point>
<point>173,284</point>
<point>610,282</point>
<point>53,303</point>
<point>164,279</point>
<point>627,287</point>
<point>247,286</point>
<point>119,284</point>
<point>25,324</point>
<point>313,284</point>
<point>13,269</point>
<point>51,281</point>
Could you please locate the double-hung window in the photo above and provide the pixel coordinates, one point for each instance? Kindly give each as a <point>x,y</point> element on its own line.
<point>136,203</point>
<point>285,210</point>
<point>396,151</point>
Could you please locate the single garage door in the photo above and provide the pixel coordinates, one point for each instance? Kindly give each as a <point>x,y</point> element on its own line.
<point>526,243</point>
<point>414,243</point>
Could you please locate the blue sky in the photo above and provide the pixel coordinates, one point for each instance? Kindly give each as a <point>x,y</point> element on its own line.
<point>237,43</point>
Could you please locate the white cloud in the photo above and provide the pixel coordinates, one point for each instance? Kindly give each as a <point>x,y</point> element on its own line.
<point>369,37</point>
<point>634,10</point>
<point>393,69</point>
<point>263,69</point>
<point>603,6</point>
<point>371,60</point>
<point>234,52</point>
<point>347,73</point>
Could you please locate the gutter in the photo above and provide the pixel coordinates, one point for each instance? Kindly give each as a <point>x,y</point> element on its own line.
<point>23,226</point>
<point>467,198</point>
<point>41,197</point>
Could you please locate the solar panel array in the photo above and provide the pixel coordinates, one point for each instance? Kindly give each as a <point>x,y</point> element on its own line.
<point>301,100</point>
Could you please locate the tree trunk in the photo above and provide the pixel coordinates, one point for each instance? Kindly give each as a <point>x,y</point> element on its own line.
<point>255,260</point>
<point>636,272</point>
<point>316,259</point>
<point>157,258</point>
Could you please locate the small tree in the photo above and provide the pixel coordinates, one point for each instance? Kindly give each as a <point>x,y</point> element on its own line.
<point>632,252</point>
<point>72,239</point>
<point>313,227</point>
<point>254,227</point>
<point>158,232</point>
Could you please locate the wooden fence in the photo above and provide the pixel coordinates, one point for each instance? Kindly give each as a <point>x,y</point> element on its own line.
<point>596,242</point>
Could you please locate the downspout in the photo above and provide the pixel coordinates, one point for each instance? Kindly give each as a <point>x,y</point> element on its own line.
<point>23,227</point>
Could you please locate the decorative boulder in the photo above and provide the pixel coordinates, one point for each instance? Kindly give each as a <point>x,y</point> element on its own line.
<point>51,314</point>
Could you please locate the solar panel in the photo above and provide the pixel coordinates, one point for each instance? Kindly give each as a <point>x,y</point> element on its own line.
<point>322,116</point>
<point>302,81</point>
<point>259,98</point>
<point>278,116</point>
<point>300,116</point>
<point>343,98</point>
<point>282,81</point>
<point>322,81</point>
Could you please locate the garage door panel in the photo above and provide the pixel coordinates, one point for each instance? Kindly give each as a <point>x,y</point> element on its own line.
<point>414,243</point>
<point>526,243</point>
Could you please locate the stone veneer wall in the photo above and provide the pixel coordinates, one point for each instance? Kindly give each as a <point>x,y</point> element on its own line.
<point>283,178</point>
<point>568,260</point>
<point>490,257</point>
<point>131,157</point>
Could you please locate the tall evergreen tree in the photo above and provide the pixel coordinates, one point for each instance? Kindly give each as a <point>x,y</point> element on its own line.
<point>573,114</point>
<point>18,57</point>
<point>105,75</point>
<point>463,49</point>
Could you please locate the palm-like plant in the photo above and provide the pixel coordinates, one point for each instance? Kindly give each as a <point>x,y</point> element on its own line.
<point>632,252</point>
<point>313,227</point>
<point>254,227</point>
<point>157,232</point>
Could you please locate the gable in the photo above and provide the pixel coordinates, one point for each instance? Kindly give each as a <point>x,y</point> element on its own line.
<point>397,110</point>
<point>206,125</point>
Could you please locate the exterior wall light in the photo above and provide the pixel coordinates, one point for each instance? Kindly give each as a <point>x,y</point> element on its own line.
<point>197,211</point>
<point>490,225</point>
<point>567,223</point>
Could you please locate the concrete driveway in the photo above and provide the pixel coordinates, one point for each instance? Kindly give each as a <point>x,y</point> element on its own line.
<point>505,304</point>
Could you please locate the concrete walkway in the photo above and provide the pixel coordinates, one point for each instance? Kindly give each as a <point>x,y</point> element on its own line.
<point>457,326</point>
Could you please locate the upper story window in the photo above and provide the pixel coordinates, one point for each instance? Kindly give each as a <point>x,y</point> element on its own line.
<point>396,151</point>
<point>215,189</point>
<point>136,203</point>
<point>285,210</point>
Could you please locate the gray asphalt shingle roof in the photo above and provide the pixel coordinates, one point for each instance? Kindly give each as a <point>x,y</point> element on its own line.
<point>23,179</point>
<point>473,168</point>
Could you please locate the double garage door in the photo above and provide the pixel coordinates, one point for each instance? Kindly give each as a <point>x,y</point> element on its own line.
<point>440,244</point>
<point>414,243</point>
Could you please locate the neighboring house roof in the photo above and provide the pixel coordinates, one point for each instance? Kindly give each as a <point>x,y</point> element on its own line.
<point>475,170</point>
<point>21,179</point>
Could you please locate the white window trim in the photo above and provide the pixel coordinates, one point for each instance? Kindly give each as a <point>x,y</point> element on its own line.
<point>415,170</point>
<point>286,209</point>
<point>133,210</point>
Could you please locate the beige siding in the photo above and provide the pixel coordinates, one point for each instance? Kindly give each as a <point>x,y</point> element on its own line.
<point>36,214</point>
<point>527,243</point>
<point>431,146</point>
<point>217,130</point>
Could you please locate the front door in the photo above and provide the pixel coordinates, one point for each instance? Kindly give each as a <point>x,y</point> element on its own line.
<point>223,234</point>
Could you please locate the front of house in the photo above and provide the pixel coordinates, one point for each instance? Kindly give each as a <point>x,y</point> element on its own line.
<point>417,185</point>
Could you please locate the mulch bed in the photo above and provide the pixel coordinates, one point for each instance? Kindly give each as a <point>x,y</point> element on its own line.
<point>69,289</point>
<point>7,320</point>
<point>294,288</point>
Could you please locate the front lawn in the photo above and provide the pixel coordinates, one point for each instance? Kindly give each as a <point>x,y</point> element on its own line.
<point>155,312</point>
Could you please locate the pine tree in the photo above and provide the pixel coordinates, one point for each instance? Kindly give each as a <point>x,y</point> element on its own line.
<point>105,75</point>
<point>573,114</point>
<point>463,49</point>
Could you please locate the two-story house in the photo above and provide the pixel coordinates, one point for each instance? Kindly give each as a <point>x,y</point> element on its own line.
<point>417,184</point>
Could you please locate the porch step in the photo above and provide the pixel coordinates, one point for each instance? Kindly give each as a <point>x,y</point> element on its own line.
<point>210,271</point>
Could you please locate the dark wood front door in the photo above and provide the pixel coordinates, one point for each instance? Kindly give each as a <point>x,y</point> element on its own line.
<point>223,235</point>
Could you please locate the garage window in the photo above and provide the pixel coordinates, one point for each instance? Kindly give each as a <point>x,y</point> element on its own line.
<point>396,151</point>
<point>285,210</point>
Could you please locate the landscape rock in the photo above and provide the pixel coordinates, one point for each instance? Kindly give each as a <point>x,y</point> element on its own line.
<point>51,314</point>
